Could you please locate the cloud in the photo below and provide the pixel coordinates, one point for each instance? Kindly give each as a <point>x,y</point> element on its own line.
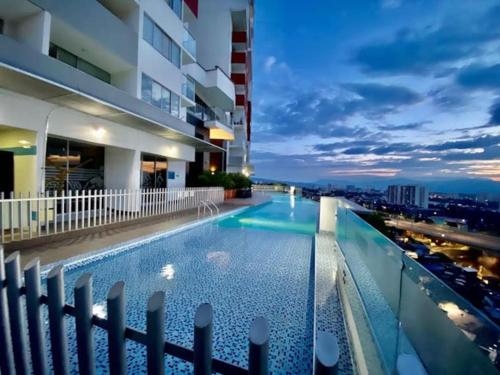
<point>495,114</point>
<point>390,4</point>
<point>317,113</point>
<point>410,126</point>
<point>420,51</point>
<point>471,143</point>
<point>480,77</point>
<point>448,97</point>
<point>269,63</point>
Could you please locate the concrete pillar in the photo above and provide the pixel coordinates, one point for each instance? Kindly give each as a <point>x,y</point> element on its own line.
<point>122,168</point>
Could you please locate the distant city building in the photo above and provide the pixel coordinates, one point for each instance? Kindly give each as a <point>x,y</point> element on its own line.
<point>408,195</point>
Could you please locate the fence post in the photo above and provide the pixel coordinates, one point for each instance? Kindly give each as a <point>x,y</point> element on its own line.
<point>58,339</point>
<point>155,328</point>
<point>34,312</point>
<point>326,356</point>
<point>116,330</point>
<point>18,328</point>
<point>6,355</point>
<point>258,347</point>
<point>84,328</point>
<point>203,323</point>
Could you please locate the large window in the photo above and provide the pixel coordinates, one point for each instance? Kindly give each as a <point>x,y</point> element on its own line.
<point>67,57</point>
<point>159,96</point>
<point>153,171</point>
<point>155,36</point>
<point>73,165</point>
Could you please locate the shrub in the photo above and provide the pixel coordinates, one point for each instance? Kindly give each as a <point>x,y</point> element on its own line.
<point>225,180</point>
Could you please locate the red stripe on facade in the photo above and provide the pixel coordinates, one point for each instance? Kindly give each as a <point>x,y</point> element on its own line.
<point>238,78</point>
<point>240,99</point>
<point>238,57</point>
<point>193,5</point>
<point>239,37</point>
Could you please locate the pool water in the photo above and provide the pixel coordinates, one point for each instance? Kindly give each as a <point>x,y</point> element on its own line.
<point>256,263</point>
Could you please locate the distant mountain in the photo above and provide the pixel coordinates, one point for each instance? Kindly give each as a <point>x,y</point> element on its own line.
<point>460,185</point>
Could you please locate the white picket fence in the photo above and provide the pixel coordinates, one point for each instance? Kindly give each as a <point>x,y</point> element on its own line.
<point>26,217</point>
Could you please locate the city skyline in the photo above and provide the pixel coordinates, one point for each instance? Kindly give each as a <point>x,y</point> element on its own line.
<point>382,90</point>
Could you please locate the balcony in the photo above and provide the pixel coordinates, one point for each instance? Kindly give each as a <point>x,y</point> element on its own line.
<point>213,84</point>
<point>188,48</point>
<point>399,312</point>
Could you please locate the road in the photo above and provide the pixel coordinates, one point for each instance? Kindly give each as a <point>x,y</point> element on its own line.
<point>483,241</point>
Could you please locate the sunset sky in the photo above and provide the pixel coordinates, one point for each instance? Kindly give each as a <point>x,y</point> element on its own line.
<point>382,88</point>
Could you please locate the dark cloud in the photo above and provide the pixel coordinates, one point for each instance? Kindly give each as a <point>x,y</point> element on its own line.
<point>495,114</point>
<point>395,147</point>
<point>357,150</point>
<point>312,113</point>
<point>409,126</point>
<point>341,145</point>
<point>482,141</point>
<point>448,97</point>
<point>421,51</point>
<point>480,77</point>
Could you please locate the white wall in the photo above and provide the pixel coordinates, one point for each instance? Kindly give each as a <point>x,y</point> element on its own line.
<point>165,17</point>
<point>33,31</point>
<point>75,125</point>
<point>122,168</point>
<point>213,33</point>
<point>179,167</point>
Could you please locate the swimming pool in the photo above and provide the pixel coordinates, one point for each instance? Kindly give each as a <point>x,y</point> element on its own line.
<point>255,263</point>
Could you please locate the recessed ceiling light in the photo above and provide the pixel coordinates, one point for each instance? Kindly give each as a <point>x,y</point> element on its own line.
<point>24,142</point>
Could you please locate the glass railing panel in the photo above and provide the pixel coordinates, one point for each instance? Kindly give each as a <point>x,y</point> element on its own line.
<point>188,88</point>
<point>410,310</point>
<point>189,43</point>
<point>448,332</point>
<point>376,270</point>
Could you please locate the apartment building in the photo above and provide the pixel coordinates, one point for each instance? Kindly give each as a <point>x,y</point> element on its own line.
<point>127,94</point>
<point>408,195</point>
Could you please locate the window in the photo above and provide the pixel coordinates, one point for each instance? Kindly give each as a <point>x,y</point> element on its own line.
<point>176,6</point>
<point>161,41</point>
<point>165,100</point>
<point>176,55</point>
<point>148,30</point>
<point>156,95</point>
<point>73,165</point>
<point>83,65</point>
<point>147,88</point>
<point>161,97</point>
<point>153,171</point>
<point>175,105</point>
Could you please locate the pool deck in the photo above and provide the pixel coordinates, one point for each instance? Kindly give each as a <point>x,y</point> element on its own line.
<point>63,246</point>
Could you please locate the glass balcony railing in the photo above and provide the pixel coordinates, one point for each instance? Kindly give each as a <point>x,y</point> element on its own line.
<point>189,43</point>
<point>408,309</point>
<point>188,88</point>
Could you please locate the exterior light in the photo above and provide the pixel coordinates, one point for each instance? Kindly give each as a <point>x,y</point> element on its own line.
<point>100,132</point>
<point>24,142</point>
<point>213,169</point>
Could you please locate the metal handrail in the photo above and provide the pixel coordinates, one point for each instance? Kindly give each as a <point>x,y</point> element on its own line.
<point>205,206</point>
<point>209,201</point>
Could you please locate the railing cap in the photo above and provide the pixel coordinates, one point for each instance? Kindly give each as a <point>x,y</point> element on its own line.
<point>327,349</point>
<point>259,331</point>
<point>116,290</point>
<point>156,301</point>
<point>204,315</point>
<point>83,280</point>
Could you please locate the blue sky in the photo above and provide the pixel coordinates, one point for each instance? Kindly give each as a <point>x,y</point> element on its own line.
<point>351,89</point>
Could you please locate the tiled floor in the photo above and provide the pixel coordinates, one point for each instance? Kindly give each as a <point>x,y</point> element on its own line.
<point>329,316</point>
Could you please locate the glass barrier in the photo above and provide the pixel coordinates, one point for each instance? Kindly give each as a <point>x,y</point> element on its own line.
<point>189,43</point>
<point>188,88</point>
<point>410,310</point>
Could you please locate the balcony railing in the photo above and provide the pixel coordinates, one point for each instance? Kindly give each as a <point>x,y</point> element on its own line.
<point>188,88</point>
<point>406,309</point>
<point>189,43</point>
